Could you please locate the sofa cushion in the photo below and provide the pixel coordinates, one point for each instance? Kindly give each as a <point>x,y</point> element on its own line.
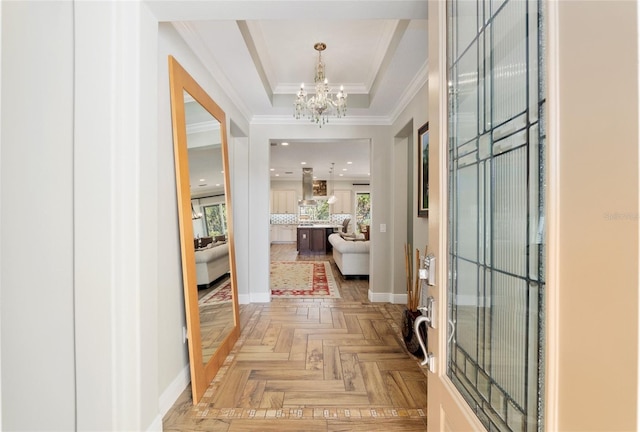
<point>206,255</point>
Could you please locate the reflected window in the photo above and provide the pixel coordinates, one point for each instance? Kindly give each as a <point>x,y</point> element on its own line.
<point>216,219</point>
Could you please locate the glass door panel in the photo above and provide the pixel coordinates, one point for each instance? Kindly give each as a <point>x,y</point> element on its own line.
<point>496,202</point>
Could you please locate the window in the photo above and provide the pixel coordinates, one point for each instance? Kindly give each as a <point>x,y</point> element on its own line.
<point>363,209</point>
<point>215,217</point>
<point>319,212</point>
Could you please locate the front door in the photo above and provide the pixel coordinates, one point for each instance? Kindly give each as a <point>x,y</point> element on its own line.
<point>488,218</point>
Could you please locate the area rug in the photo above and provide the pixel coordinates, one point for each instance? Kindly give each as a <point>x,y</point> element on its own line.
<point>218,295</point>
<point>302,279</point>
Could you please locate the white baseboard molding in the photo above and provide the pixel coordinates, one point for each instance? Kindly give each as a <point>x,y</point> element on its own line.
<point>387,298</point>
<point>399,298</point>
<point>244,299</point>
<point>156,425</point>
<point>171,394</point>
<point>260,298</point>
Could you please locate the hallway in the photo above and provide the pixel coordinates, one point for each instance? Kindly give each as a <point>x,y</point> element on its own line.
<point>313,365</point>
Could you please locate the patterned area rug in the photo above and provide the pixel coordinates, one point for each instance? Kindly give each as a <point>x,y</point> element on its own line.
<point>218,295</point>
<point>303,279</point>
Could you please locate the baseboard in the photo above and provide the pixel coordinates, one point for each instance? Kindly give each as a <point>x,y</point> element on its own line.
<point>244,299</point>
<point>171,394</point>
<point>379,297</point>
<point>156,426</point>
<point>260,298</point>
<point>399,298</point>
<point>387,298</point>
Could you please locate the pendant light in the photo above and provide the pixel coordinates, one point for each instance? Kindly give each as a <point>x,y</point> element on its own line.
<point>332,199</point>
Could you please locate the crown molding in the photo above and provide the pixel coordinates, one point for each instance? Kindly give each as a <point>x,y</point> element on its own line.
<point>199,48</point>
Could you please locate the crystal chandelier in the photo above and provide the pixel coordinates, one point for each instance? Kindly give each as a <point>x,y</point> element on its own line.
<point>318,108</point>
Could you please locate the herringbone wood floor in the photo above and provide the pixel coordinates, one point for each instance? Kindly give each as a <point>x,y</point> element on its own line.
<point>313,365</point>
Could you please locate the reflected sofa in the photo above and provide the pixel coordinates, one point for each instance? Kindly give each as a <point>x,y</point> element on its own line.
<point>211,263</point>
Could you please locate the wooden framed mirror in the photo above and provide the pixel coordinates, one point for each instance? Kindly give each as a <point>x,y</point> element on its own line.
<point>206,228</point>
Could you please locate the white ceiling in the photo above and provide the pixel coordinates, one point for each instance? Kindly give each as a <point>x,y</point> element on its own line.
<point>260,51</point>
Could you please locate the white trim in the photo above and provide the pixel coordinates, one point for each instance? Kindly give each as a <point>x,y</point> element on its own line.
<point>244,298</point>
<point>553,212</point>
<point>258,297</point>
<point>171,394</point>
<point>441,221</point>
<point>348,120</point>
<point>399,298</point>
<point>386,297</point>
<point>156,425</point>
<point>194,41</point>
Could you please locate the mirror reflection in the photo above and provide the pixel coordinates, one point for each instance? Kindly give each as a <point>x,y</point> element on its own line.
<point>209,219</point>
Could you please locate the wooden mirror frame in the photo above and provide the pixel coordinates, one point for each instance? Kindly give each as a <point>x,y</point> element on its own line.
<point>201,374</point>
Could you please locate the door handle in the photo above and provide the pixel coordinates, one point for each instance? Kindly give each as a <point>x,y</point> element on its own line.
<point>429,358</point>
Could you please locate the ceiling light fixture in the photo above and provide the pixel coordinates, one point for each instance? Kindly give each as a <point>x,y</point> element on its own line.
<point>195,215</point>
<point>324,102</point>
<point>332,199</point>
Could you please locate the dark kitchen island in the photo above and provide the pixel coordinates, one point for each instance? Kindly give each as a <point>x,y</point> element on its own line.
<point>312,239</point>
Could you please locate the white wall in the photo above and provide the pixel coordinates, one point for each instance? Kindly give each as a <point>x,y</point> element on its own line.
<point>36,251</point>
<point>115,232</point>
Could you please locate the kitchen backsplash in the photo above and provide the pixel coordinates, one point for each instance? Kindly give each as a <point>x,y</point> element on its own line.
<point>284,218</point>
<point>293,219</point>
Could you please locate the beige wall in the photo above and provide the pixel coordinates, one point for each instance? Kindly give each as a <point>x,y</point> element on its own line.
<point>593,209</point>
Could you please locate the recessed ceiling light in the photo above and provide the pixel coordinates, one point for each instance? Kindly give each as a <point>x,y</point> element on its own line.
<point>344,169</point>
<point>303,163</point>
<point>341,175</point>
<point>222,172</point>
<point>285,143</point>
<point>218,185</point>
<point>272,169</point>
<point>277,175</point>
<point>203,180</point>
<point>315,177</point>
<point>349,163</point>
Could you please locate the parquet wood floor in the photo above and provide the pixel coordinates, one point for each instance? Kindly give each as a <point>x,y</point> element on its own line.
<point>313,365</point>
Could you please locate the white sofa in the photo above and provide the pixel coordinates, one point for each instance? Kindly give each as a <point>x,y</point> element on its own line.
<point>351,256</point>
<point>211,263</point>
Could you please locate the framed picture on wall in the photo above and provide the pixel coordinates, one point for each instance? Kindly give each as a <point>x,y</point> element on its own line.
<point>319,188</point>
<point>423,170</point>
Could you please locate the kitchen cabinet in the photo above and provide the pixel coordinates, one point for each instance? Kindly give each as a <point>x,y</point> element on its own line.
<point>284,202</point>
<point>314,240</point>
<point>343,204</point>
<point>285,233</point>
